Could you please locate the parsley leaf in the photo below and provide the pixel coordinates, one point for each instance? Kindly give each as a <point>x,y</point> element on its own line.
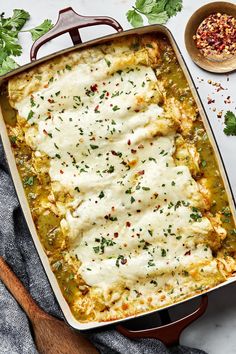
<point>9,29</point>
<point>230,122</point>
<point>7,65</point>
<point>173,6</point>
<point>17,21</point>
<point>9,44</point>
<point>159,18</point>
<point>145,5</point>
<point>159,6</point>
<point>156,11</point>
<point>38,31</point>
<point>134,18</point>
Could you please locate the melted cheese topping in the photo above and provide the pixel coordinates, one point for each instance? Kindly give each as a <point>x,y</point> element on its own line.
<point>133,217</point>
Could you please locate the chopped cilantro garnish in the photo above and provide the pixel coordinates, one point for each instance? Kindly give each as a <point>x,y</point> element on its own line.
<point>96,249</point>
<point>13,139</point>
<point>151,263</point>
<point>32,103</point>
<point>107,62</point>
<point>30,115</point>
<point>101,195</point>
<point>113,218</point>
<point>29,181</point>
<point>111,169</point>
<point>146,188</point>
<point>196,215</point>
<point>119,258</point>
<point>163,252</point>
<point>128,191</point>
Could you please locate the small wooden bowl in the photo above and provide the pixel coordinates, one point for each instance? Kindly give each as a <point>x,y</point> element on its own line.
<point>223,66</point>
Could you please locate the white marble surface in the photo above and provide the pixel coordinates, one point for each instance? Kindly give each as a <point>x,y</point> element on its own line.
<point>215,332</point>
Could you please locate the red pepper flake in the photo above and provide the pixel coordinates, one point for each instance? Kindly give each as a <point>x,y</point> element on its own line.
<point>140,173</point>
<point>219,88</point>
<point>128,224</point>
<point>227,100</point>
<point>210,100</point>
<point>129,142</point>
<point>187,253</point>
<point>94,87</point>
<point>61,172</point>
<point>50,100</point>
<point>116,234</point>
<point>218,85</point>
<point>96,109</point>
<point>123,261</point>
<point>125,307</point>
<point>133,151</point>
<point>216,35</point>
<point>114,153</point>
<point>45,132</point>
<point>107,94</point>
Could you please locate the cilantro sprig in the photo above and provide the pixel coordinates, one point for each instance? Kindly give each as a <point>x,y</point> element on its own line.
<point>9,41</point>
<point>156,11</point>
<point>230,123</point>
<point>38,31</point>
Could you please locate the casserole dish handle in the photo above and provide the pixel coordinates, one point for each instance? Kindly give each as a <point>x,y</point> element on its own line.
<point>69,21</point>
<point>170,332</point>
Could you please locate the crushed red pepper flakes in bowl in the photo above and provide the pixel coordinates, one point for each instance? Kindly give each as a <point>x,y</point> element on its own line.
<point>216,36</point>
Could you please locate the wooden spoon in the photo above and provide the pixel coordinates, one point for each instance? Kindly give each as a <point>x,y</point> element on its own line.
<point>51,335</point>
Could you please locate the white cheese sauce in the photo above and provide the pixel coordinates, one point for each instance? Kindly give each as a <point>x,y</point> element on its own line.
<point>130,219</point>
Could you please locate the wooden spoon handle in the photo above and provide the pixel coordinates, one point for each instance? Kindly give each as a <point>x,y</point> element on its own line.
<point>17,289</point>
